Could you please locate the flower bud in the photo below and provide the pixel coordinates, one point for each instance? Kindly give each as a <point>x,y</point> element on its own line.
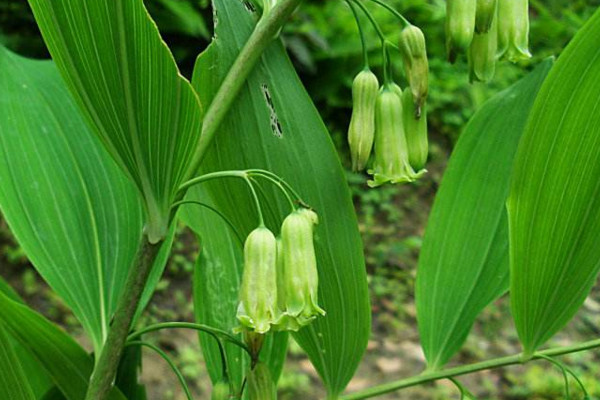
<point>513,29</point>
<point>258,295</point>
<point>391,149</point>
<point>362,123</point>
<point>220,391</point>
<point>415,128</point>
<point>414,54</point>
<point>482,54</point>
<point>260,383</point>
<point>460,25</point>
<point>485,14</point>
<point>300,270</point>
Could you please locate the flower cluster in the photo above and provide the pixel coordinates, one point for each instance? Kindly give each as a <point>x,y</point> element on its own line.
<point>487,30</point>
<point>390,120</point>
<point>280,279</point>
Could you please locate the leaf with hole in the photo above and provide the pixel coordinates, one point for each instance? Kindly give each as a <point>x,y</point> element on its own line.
<point>273,125</point>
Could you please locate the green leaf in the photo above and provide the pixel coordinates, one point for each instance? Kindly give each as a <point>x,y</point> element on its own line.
<point>463,264</point>
<point>217,280</point>
<point>179,16</point>
<point>127,83</point>
<point>75,214</point>
<point>38,379</point>
<point>14,384</point>
<point>554,203</point>
<point>62,358</point>
<point>274,125</point>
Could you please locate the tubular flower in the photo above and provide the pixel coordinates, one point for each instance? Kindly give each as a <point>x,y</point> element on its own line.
<point>299,264</point>
<point>485,14</point>
<point>414,53</point>
<point>391,150</point>
<point>460,25</point>
<point>362,123</point>
<point>258,296</point>
<point>482,54</point>
<point>415,128</point>
<point>513,30</point>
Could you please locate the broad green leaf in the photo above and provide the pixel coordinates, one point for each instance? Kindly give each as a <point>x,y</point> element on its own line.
<point>75,214</point>
<point>463,264</point>
<point>38,379</point>
<point>554,203</point>
<point>62,358</point>
<point>126,81</point>
<point>274,125</point>
<point>14,384</point>
<point>217,280</point>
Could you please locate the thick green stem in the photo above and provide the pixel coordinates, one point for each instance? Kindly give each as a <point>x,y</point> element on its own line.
<point>265,32</point>
<point>466,369</point>
<point>108,360</point>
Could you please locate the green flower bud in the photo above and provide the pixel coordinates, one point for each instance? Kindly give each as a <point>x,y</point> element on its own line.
<point>513,30</point>
<point>260,383</point>
<point>415,128</point>
<point>362,123</point>
<point>485,14</point>
<point>300,270</point>
<point>482,54</point>
<point>258,295</point>
<point>414,54</point>
<point>391,149</point>
<point>460,25</point>
<point>220,391</point>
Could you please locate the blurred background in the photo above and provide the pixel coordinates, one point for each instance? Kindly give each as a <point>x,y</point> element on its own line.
<point>323,42</point>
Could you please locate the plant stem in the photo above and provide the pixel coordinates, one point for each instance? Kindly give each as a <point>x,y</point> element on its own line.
<point>108,360</point>
<point>466,369</point>
<point>363,41</point>
<point>166,357</point>
<point>264,33</point>
<point>391,9</point>
<point>215,332</point>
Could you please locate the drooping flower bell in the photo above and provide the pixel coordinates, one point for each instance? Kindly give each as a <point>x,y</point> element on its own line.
<point>257,310</point>
<point>391,150</point>
<point>513,29</point>
<point>362,124</point>
<point>482,54</point>
<point>415,127</point>
<point>414,53</point>
<point>485,14</point>
<point>300,276</point>
<point>460,25</point>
